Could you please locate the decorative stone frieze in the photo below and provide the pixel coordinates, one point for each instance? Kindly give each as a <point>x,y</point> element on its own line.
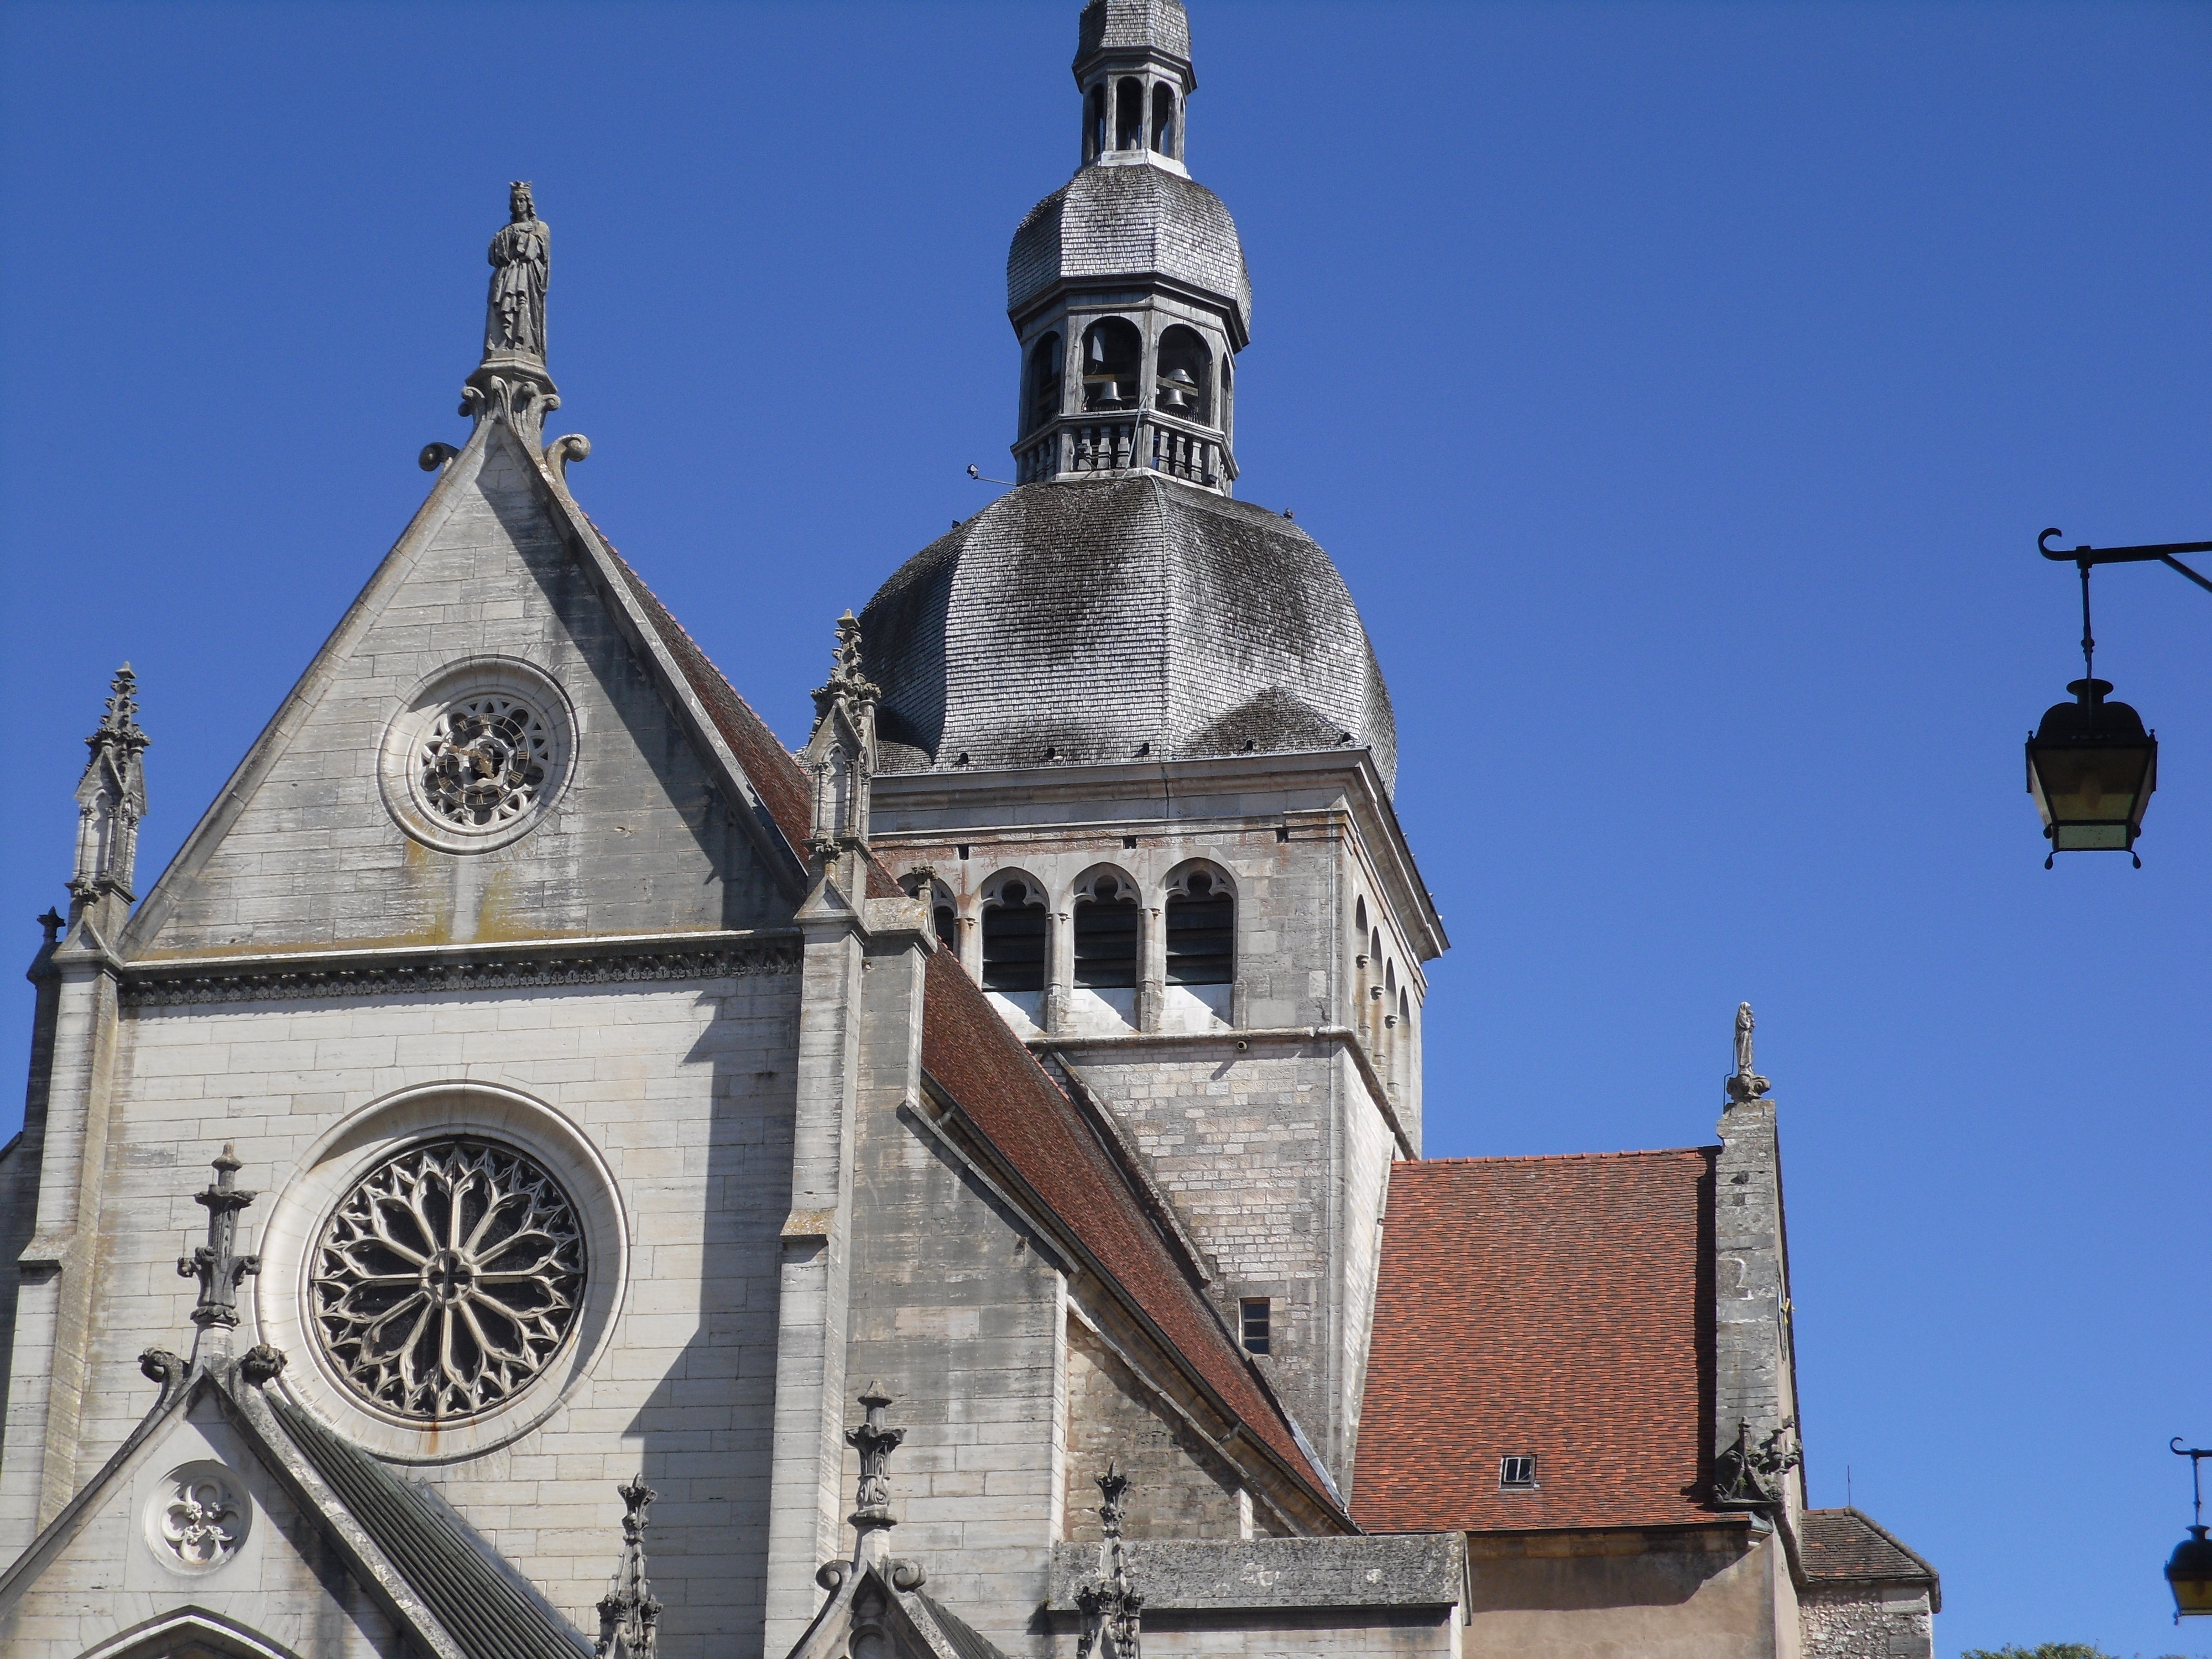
<point>154,987</point>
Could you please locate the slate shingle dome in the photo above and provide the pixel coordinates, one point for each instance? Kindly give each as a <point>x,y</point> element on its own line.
<point>1136,221</point>
<point>1081,620</point>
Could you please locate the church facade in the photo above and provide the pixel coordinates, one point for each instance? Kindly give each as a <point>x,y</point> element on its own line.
<point>955,1189</point>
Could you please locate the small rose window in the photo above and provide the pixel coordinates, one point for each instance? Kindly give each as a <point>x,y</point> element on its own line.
<point>483,763</point>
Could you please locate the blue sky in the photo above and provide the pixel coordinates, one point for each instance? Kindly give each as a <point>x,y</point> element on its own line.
<point>1679,388</point>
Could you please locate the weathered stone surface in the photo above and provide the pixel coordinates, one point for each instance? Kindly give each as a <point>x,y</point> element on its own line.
<point>1423,1570</point>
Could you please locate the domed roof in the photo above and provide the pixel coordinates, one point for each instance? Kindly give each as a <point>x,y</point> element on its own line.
<point>1082,620</point>
<point>1136,221</point>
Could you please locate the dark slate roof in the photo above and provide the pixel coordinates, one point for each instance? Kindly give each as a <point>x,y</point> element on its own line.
<point>1551,1307</point>
<point>1133,26</point>
<point>485,1610</point>
<point>968,1053</point>
<point>1850,1547</point>
<point>959,1635</point>
<point>1094,615</point>
<point>1130,220</point>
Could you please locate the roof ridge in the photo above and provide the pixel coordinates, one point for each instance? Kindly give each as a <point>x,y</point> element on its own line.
<point>1562,1158</point>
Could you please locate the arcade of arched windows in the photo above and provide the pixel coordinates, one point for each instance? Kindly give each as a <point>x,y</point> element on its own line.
<point>1162,959</point>
<point>1156,956</point>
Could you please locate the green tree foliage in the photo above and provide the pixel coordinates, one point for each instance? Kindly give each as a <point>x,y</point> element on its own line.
<point>2047,1650</point>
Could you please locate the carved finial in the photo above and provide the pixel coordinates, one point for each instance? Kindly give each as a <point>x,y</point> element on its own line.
<point>217,1264</point>
<point>111,799</point>
<point>53,923</point>
<point>841,752</point>
<point>1113,1488</point>
<point>629,1614</point>
<point>169,1370</point>
<point>1744,1083</point>
<point>1111,1605</point>
<point>875,1442</point>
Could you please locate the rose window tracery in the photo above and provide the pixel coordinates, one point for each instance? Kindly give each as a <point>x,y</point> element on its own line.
<point>483,763</point>
<point>448,1279</point>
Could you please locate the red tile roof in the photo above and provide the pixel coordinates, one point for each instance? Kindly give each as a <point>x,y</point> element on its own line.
<point>968,1050</point>
<point>971,1053</point>
<point>1558,1308</point>
<point>1850,1547</point>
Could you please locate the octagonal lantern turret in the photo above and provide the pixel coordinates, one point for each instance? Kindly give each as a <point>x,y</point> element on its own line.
<point>1126,286</point>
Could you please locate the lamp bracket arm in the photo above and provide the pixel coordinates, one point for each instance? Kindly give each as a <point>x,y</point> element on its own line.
<point>2085,555</point>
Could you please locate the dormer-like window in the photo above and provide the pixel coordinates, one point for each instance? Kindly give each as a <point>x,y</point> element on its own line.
<point>1106,931</point>
<point>1516,1473</point>
<point>1164,120</point>
<point>1129,114</point>
<point>1113,359</point>
<point>1042,400</point>
<point>1013,934</point>
<point>1186,375</point>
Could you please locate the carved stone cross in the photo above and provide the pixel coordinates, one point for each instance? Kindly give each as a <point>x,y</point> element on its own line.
<point>217,1264</point>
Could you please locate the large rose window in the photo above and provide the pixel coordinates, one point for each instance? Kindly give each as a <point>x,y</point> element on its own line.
<point>448,1279</point>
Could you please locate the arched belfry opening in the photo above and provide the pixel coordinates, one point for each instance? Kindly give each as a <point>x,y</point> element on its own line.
<point>1129,114</point>
<point>1164,120</point>
<point>1113,360</point>
<point>1041,398</point>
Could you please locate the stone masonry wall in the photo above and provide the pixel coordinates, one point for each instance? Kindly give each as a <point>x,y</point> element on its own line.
<point>685,1091</point>
<point>640,842</point>
<point>1177,1487</point>
<point>959,1316</point>
<point>287,1581</point>
<point>1866,1622</point>
<point>1277,1162</point>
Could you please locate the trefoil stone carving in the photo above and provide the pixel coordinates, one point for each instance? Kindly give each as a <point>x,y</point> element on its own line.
<point>629,1614</point>
<point>1111,1605</point>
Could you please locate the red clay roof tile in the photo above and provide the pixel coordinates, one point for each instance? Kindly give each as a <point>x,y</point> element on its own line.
<point>1558,1308</point>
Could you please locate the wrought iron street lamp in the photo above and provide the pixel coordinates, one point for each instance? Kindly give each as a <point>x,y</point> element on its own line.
<point>2091,764</point>
<point>2189,1570</point>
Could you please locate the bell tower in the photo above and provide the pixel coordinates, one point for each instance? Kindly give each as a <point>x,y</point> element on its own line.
<point>1127,288</point>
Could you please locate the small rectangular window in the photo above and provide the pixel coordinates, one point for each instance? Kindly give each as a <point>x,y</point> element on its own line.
<point>1516,1473</point>
<point>1253,1311</point>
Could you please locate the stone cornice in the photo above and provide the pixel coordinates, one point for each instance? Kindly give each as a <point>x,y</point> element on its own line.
<point>415,970</point>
